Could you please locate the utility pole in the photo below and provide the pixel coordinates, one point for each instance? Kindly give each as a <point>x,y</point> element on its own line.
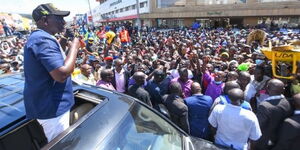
<point>138,20</point>
<point>91,12</point>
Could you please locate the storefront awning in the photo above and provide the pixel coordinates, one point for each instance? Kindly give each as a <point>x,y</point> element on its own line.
<point>120,18</point>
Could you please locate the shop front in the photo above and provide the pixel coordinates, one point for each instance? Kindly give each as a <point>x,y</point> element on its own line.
<point>187,22</point>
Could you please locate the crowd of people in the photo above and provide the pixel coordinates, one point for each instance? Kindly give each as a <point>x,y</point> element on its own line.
<point>11,54</point>
<point>213,84</point>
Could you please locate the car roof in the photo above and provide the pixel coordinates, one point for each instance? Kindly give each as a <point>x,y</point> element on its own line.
<point>12,108</point>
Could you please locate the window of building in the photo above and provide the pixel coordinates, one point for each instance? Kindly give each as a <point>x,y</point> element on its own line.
<point>143,4</point>
<point>127,8</point>
<point>133,6</point>
<point>121,10</point>
<point>165,4</point>
<point>102,1</point>
<point>117,11</point>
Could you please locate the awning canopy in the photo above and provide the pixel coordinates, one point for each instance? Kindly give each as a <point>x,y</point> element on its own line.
<point>120,18</point>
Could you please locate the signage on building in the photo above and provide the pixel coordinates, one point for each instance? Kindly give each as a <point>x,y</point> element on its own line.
<point>90,18</point>
<point>214,13</point>
<point>115,3</point>
<point>79,15</point>
<point>104,17</point>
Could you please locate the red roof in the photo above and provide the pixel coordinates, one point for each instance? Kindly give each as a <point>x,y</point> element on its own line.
<point>120,18</point>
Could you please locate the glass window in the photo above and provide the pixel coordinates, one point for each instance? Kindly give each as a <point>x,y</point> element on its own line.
<point>142,129</point>
<point>121,10</point>
<point>166,3</point>
<point>130,127</point>
<point>142,5</point>
<point>170,23</point>
<point>133,6</point>
<point>127,8</point>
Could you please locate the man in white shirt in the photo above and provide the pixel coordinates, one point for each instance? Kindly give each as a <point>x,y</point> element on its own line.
<point>6,48</point>
<point>85,75</point>
<point>254,92</point>
<point>234,125</point>
<point>121,77</point>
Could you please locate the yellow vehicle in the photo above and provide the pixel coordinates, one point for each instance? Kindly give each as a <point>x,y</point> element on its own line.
<point>284,58</point>
<point>287,54</point>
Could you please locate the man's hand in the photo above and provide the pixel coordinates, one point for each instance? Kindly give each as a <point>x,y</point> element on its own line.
<point>76,43</point>
<point>62,73</point>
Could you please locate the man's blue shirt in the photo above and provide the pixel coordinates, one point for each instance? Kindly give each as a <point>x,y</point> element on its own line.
<point>157,90</point>
<point>199,107</point>
<point>44,98</point>
<point>225,100</point>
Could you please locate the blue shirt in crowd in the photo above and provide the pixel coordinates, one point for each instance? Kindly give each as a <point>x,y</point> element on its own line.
<point>198,109</point>
<point>157,90</point>
<point>224,99</point>
<point>44,98</point>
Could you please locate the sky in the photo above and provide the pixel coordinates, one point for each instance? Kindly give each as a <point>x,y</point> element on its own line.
<point>26,6</point>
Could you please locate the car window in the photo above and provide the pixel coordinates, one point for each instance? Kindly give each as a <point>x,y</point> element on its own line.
<point>142,129</point>
<point>122,124</point>
<point>89,96</point>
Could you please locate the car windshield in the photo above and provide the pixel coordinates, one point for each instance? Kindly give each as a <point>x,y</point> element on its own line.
<point>123,125</point>
<point>142,129</point>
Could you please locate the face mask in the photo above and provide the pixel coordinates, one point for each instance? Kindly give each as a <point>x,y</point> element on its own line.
<point>259,61</point>
<point>218,82</point>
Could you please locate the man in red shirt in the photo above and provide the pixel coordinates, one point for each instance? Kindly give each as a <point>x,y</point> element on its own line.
<point>124,36</point>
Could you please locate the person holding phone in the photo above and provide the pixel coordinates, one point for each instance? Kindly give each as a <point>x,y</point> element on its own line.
<point>48,93</point>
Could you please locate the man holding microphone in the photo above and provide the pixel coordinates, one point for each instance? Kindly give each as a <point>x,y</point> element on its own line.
<point>48,93</point>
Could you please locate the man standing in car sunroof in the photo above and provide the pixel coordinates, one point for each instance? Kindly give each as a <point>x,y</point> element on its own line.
<point>48,93</point>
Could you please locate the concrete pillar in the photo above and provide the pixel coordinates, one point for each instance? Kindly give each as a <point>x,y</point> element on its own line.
<point>153,5</point>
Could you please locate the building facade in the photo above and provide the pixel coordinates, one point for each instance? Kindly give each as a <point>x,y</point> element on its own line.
<point>119,11</point>
<point>175,13</point>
